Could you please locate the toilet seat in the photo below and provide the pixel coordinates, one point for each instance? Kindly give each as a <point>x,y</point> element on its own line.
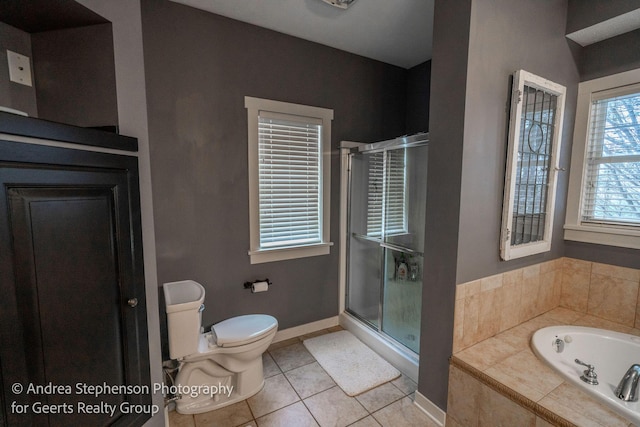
<point>242,330</point>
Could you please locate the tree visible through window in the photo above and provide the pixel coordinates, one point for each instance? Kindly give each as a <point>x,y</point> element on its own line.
<point>612,190</point>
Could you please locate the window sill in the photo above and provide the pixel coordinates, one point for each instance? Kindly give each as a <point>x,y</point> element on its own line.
<point>624,237</point>
<point>281,254</point>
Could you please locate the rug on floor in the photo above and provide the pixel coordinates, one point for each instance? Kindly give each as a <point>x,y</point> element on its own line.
<point>352,365</point>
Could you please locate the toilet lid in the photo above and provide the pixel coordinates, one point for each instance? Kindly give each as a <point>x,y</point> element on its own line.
<point>242,330</point>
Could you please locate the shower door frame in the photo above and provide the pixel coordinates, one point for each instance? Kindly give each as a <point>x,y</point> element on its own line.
<point>348,150</point>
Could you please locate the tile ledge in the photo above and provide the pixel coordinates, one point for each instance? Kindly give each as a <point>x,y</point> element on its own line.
<point>511,394</point>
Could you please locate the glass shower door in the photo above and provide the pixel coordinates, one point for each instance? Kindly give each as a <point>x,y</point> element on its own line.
<point>403,244</point>
<point>365,260</point>
<point>387,205</point>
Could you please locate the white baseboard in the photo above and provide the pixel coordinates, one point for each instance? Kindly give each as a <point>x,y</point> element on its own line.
<point>430,409</point>
<point>307,328</point>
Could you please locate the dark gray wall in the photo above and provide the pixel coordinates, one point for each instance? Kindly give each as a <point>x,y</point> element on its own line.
<point>447,117</point>
<point>504,39</point>
<point>199,67</point>
<point>611,56</point>
<point>15,95</point>
<point>623,257</point>
<point>75,76</point>
<point>477,47</point>
<point>585,13</point>
<point>418,95</point>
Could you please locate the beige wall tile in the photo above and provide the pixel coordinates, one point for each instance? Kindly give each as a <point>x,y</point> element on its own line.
<point>491,303</point>
<point>530,294</point>
<point>491,282</point>
<point>546,267</point>
<point>497,410</point>
<point>471,288</point>
<point>545,299</point>
<point>564,315</point>
<point>512,277</point>
<point>557,285</point>
<point>531,271</point>
<point>576,275</point>
<point>613,299</point>
<point>637,324</point>
<point>471,320</point>
<point>615,271</point>
<point>458,325</point>
<point>511,314</point>
<point>598,322</point>
<point>464,396</point>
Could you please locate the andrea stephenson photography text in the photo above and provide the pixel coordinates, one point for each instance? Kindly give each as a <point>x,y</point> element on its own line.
<point>82,397</point>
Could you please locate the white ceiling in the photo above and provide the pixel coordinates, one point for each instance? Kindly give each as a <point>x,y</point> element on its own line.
<point>397,32</point>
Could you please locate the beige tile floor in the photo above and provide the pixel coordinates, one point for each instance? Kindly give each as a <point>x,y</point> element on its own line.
<point>299,393</point>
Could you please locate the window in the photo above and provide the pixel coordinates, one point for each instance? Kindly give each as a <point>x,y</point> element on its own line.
<point>604,189</point>
<point>530,179</point>
<point>289,179</point>
<point>387,167</point>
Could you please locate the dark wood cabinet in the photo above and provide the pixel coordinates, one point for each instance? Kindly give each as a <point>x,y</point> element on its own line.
<point>72,296</point>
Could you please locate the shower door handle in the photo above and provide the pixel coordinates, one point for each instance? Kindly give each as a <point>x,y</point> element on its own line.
<point>400,248</point>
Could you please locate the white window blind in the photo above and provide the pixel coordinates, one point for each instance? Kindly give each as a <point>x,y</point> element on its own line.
<point>612,177</point>
<point>387,194</point>
<point>289,180</point>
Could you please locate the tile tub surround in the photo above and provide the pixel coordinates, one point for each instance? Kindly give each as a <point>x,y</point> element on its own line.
<point>602,290</point>
<point>500,381</point>
<point>298,392</point>
<point>488,306</point>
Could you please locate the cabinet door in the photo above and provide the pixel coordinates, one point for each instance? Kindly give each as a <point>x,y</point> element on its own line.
<point>71,261</point>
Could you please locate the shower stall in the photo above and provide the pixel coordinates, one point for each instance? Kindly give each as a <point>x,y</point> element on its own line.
<point>385,185</point>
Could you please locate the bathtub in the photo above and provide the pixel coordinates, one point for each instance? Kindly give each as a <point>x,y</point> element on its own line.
<point>612,353</point>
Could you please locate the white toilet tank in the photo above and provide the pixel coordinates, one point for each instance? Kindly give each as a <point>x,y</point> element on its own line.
<point>183,302</point>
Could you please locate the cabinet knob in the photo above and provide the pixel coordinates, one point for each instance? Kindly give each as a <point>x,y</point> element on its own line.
<point>132,302</point>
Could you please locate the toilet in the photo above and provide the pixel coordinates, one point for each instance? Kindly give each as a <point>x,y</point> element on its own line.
<point>219,367</point>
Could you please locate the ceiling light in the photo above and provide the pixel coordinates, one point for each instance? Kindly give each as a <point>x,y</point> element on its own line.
<point>342,4</point>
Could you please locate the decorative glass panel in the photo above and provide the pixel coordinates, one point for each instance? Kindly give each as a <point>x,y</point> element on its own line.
<point>533,147</point>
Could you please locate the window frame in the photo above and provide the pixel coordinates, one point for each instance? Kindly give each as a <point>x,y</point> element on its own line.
<point>625,236</point>
<point>521,78</point>
<point>254,107</point>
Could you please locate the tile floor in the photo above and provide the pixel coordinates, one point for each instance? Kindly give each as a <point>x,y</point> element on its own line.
<point>299,393</point>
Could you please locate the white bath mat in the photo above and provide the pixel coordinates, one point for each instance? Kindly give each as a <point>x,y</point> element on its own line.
<point>352,365</point>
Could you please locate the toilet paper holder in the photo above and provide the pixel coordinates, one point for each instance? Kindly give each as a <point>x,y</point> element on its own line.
<point>250,285</point>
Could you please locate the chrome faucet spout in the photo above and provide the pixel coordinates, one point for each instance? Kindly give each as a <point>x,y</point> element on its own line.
<point>628,387</point>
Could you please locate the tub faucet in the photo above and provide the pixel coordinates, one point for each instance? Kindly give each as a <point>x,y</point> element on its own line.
<point>628,386</point>
<point>589,375</point>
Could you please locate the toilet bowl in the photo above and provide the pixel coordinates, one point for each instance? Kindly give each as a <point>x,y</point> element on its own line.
<point>218,367</point>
